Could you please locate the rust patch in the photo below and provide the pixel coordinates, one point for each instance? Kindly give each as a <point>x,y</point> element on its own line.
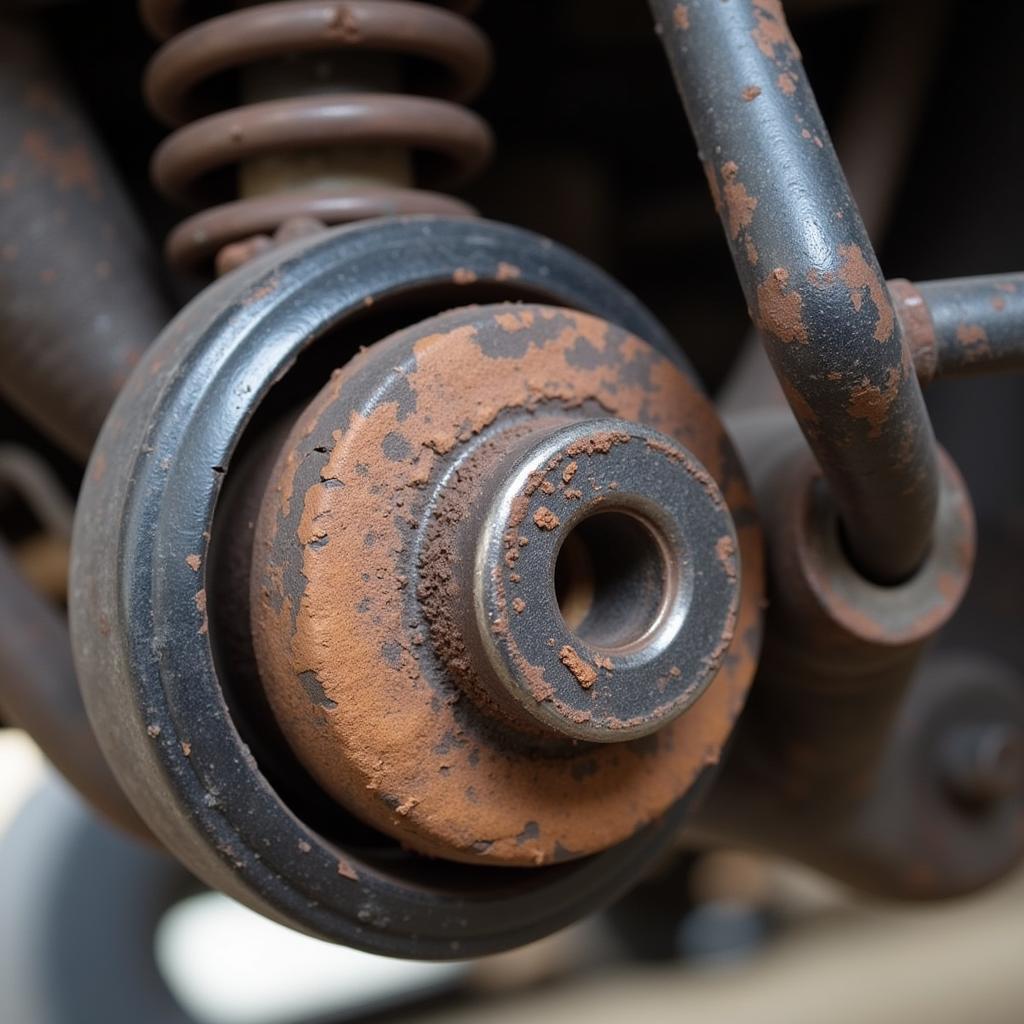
<point>194,562</point>
<point>973,341</point>
<point>70,167</point>
<point>787,82</point>
<point>750,93</point>
<point>725,550</point>
<point>739,203</point>
<point>860,278</point>
<point>998,303</point>
<point>569,472</point>
<point>200,600</point>
<point>771,31</point>
<point>779,308</point>
<point>872,403</point>
<point>681,17</point>
<point>346,870</point>
<point>463,275</point>
<point>508,272</point>
<point>585,673</point>
<point>917,327</point>
<point>545,519</point>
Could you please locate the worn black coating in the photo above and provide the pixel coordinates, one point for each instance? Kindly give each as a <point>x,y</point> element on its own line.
<point>138,612</point>
<point>78,303</point>
<point>808,272</point>
<point>978,322</point>
<point>39,693</point>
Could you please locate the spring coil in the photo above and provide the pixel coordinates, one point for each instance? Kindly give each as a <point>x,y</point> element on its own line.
<point>181,89</point>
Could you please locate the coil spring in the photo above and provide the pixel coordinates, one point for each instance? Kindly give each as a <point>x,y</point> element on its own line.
<point>181,88</point>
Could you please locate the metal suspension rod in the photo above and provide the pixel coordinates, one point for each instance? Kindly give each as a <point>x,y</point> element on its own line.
<point>78,299</point>
<point>964,326</point>
<point>811,280</point>
<point>39,693</point>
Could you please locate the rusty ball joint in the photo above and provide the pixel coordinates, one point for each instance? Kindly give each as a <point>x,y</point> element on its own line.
<point>485,590</point>
<point>260,764</point>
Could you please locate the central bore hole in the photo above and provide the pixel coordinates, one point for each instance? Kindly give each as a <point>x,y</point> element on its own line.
<point>612,580</point>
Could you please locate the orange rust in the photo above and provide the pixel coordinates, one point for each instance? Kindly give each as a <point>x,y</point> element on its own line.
<point>787,82</point>
<point>569,472</point>
<point>917,327</point>
<point>725,549</point>
<point>194,562</point>
<point>739,203</point>
<point>872,403</point>
<point>384,730</point>
<point>751,250</point>
<point>779,308</point>
<point>70,167</point>
<point>585,673</point>
<point>974,342</point>
<point>545,519</point>
<point>751,92</point>
<point>681,16</point>
<point>200,600</point>
<point>507,272</point>
<point>858,278</point>
<point>462,275</point>
<point>998,303</point>
<point>771,30</point>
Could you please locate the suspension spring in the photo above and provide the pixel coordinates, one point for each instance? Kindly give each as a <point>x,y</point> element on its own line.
<point>311,111</point>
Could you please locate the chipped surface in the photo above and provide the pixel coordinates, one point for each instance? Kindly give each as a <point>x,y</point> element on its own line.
<point>779,308</point>
<point>584,673</point>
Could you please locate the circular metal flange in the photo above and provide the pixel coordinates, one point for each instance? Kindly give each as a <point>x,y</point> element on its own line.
<point>611,637</point>
<point>142,637</point>
<point>890,616</point>
<point>370,630</point>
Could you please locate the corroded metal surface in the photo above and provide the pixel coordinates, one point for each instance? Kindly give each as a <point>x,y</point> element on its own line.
<point>963,326</point>
<point>78,295</point>
<point>357,567</point>
<point>598,578</point>
<point>158,693</point>
<point>307,123</point>
<point>809,274</point>
<point>843,759</point>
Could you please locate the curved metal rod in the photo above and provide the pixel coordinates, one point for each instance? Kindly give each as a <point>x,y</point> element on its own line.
<point>809,273</point>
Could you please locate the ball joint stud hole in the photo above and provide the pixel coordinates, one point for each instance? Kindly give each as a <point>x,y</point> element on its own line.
<point>614,581</point>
